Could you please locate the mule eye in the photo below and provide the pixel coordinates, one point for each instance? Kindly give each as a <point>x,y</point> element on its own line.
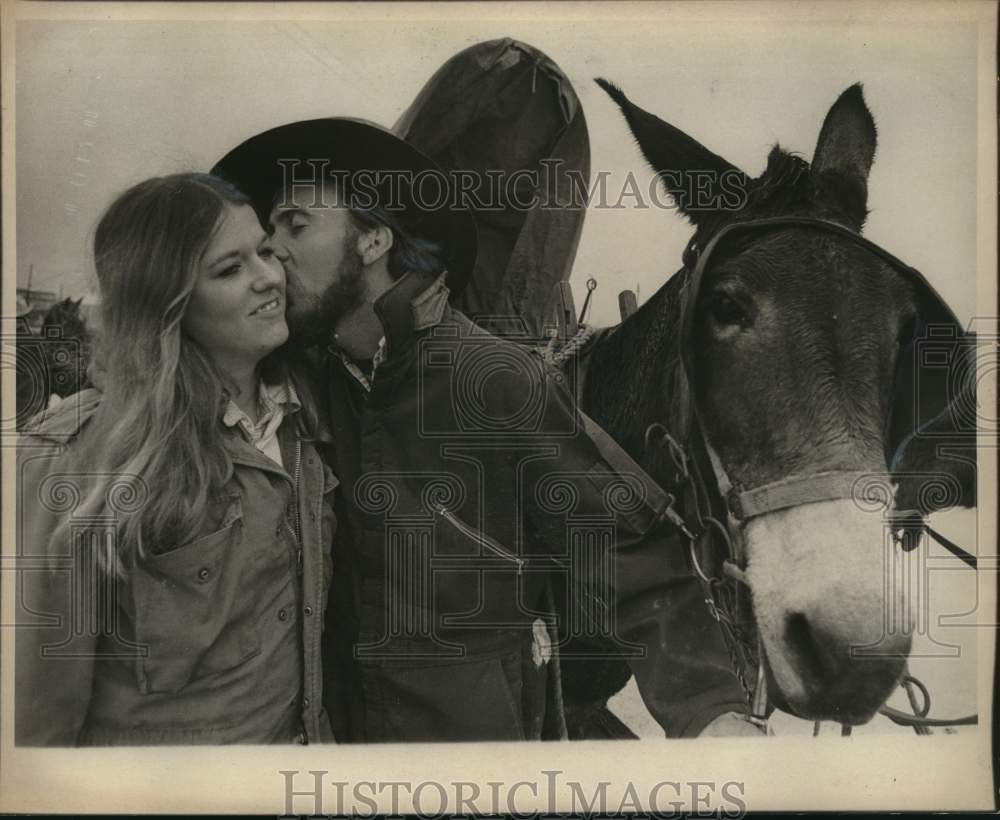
<point>726,310</point>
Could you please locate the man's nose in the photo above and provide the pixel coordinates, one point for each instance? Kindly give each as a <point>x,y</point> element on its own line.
<point>270,274</point>
<point>280,251</point>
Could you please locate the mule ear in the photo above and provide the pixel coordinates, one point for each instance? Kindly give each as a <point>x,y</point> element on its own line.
<point>845,150</point>
<point>699,181</point>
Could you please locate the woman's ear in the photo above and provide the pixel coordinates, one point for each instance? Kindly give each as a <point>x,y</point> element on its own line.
<point>374,243</point>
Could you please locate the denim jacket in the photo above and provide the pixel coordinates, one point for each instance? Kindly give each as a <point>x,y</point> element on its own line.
<point>216,640</point>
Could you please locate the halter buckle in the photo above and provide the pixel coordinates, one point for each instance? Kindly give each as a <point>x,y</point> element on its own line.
<point>734,505</point>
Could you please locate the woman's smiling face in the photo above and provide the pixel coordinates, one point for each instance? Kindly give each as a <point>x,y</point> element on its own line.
<point>236,312</point>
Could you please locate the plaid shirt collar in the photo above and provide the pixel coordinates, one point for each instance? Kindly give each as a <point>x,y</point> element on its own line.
<point>423,310</point>
<point>274,402</point>
<point>364,380</point>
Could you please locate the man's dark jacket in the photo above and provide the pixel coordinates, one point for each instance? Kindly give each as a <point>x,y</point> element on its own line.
<point>470,484</point>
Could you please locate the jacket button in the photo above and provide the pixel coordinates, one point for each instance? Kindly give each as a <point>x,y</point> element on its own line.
<point>305,701</point>
<point>204,573</point>
<point>282,614</point>
<point>312,516</point>
<point>308,609</point>
<point>277,531</point>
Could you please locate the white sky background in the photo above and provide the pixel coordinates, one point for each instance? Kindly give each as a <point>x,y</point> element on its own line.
<point>158,97</point>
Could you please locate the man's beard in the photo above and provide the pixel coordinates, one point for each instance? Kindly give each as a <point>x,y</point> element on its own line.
<point>316,322</point>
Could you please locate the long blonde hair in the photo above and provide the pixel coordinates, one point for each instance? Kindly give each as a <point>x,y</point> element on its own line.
<point>157,425</point>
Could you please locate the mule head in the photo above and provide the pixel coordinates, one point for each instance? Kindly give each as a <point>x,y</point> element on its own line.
<point>795,342</point>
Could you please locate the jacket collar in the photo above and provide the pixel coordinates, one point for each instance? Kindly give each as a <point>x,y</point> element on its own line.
<point>416,301</point>
<point>63,421</point>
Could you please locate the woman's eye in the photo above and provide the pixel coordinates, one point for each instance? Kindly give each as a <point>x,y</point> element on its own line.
<point>231,270</point>
<point>296,228</point>
<point>266,252</point>
<point>726,310</point>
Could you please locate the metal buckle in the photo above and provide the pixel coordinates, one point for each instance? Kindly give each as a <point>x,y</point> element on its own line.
<point>735,506</point>
<point>678,455</point>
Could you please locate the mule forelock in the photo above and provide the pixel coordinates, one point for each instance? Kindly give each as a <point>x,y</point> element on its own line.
<point>788,186</point>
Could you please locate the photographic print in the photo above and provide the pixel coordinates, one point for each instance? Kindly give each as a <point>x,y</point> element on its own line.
<point>480,408</point>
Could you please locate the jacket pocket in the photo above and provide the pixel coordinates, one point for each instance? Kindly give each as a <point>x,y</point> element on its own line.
<point>478,698</point>
<point>190,614</point>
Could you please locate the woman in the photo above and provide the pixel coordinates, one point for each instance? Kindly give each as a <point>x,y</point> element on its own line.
<point>175,525</point>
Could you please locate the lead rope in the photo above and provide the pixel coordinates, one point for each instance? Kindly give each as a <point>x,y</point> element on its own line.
<point>556,354</point>
<point>908,685</point>
<point>919,721</point>
<point>758,709</point>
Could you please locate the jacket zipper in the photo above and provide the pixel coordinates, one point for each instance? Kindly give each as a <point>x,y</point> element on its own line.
<point>481,537</point>
<point>296,530</point>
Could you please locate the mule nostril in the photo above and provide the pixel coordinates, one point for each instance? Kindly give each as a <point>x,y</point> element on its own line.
<point>807,646</point>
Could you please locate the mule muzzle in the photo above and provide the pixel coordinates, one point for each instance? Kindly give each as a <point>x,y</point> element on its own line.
<point>839,679</point>
<point>834,617</point>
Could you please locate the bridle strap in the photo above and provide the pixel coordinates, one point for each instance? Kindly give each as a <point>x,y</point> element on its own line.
<point>794,492</point>
<point>826,225</point>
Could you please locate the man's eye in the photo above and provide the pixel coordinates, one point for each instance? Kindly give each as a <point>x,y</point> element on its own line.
<point>296,228</point>
<point>266,252</point>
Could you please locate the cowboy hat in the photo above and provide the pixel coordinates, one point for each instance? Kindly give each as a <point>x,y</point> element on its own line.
<point>372,168</point>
